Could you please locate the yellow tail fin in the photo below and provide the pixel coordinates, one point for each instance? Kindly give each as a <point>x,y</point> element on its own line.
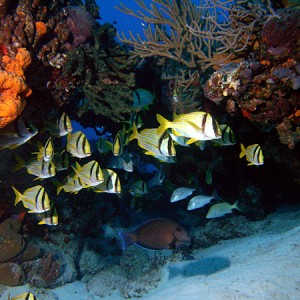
<point>243,151</point>
<point>20,163</point>
<point>134,133</point>
<point>18,195</point>
<point>164,124</point>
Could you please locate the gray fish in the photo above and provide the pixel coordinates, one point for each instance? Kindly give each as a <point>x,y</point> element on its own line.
<point>181,193</point>
<point>221,209</point>
<point>199,201</point>
<point>17,136</point>
<point>157,179</point>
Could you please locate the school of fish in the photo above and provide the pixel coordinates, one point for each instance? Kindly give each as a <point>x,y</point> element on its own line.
<point>185,129</point>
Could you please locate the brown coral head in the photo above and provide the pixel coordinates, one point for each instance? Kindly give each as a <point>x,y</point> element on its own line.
<point>284,29</point>
<point>80,23</point>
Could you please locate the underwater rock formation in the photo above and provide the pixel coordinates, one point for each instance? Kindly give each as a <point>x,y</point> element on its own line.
<point>12,242</point>
<point>11,274</point>
<point>13,252</point>
<point>265,86</point>
<point>42,272</point>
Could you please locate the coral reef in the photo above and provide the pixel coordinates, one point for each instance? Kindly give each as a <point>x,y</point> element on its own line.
<point>265,86</point>
<point>106,76</point>
<point>63,37</point>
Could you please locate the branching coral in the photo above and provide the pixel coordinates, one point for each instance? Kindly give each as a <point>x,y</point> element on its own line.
<point>13,88</point>
<point>190,34</point>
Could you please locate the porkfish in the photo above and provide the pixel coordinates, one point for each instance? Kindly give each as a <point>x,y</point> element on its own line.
<point>156,234</point>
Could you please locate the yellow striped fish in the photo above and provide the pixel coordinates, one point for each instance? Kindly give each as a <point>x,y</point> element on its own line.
<point>111,183</point>
<point>155,144</point>
<point>198,126</point>
<point>227,138</point>
<point>138,188</point>
<point>62,127</point>
<point>78,145</point>
<point>46,152</point>
<point>61,161</point>
<point>23,296</point>
<point>253,154</point>
<point>118,145</point>
<point>90,173</point>
<point>49,217</point>
<point>72,185</point>
<point>38,168</point>
<point>103,145</point>
<point>35,199</point>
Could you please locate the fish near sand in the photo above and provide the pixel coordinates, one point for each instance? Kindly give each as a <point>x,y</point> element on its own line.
<point>23,296</point>
<point>156,234</point>
<point>221,209</point>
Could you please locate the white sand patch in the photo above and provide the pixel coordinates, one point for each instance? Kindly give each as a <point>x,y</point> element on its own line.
<point>262,266</point>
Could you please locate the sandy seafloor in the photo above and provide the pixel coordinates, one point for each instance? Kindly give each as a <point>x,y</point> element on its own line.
<point>261,266</point>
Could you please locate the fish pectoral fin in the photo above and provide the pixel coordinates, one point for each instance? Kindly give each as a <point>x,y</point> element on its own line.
<point>172,245</point>
<point>150,153</point>
<point>190,141</point>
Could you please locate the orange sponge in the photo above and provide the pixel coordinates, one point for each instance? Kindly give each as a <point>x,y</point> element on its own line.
<point>13,87</point>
